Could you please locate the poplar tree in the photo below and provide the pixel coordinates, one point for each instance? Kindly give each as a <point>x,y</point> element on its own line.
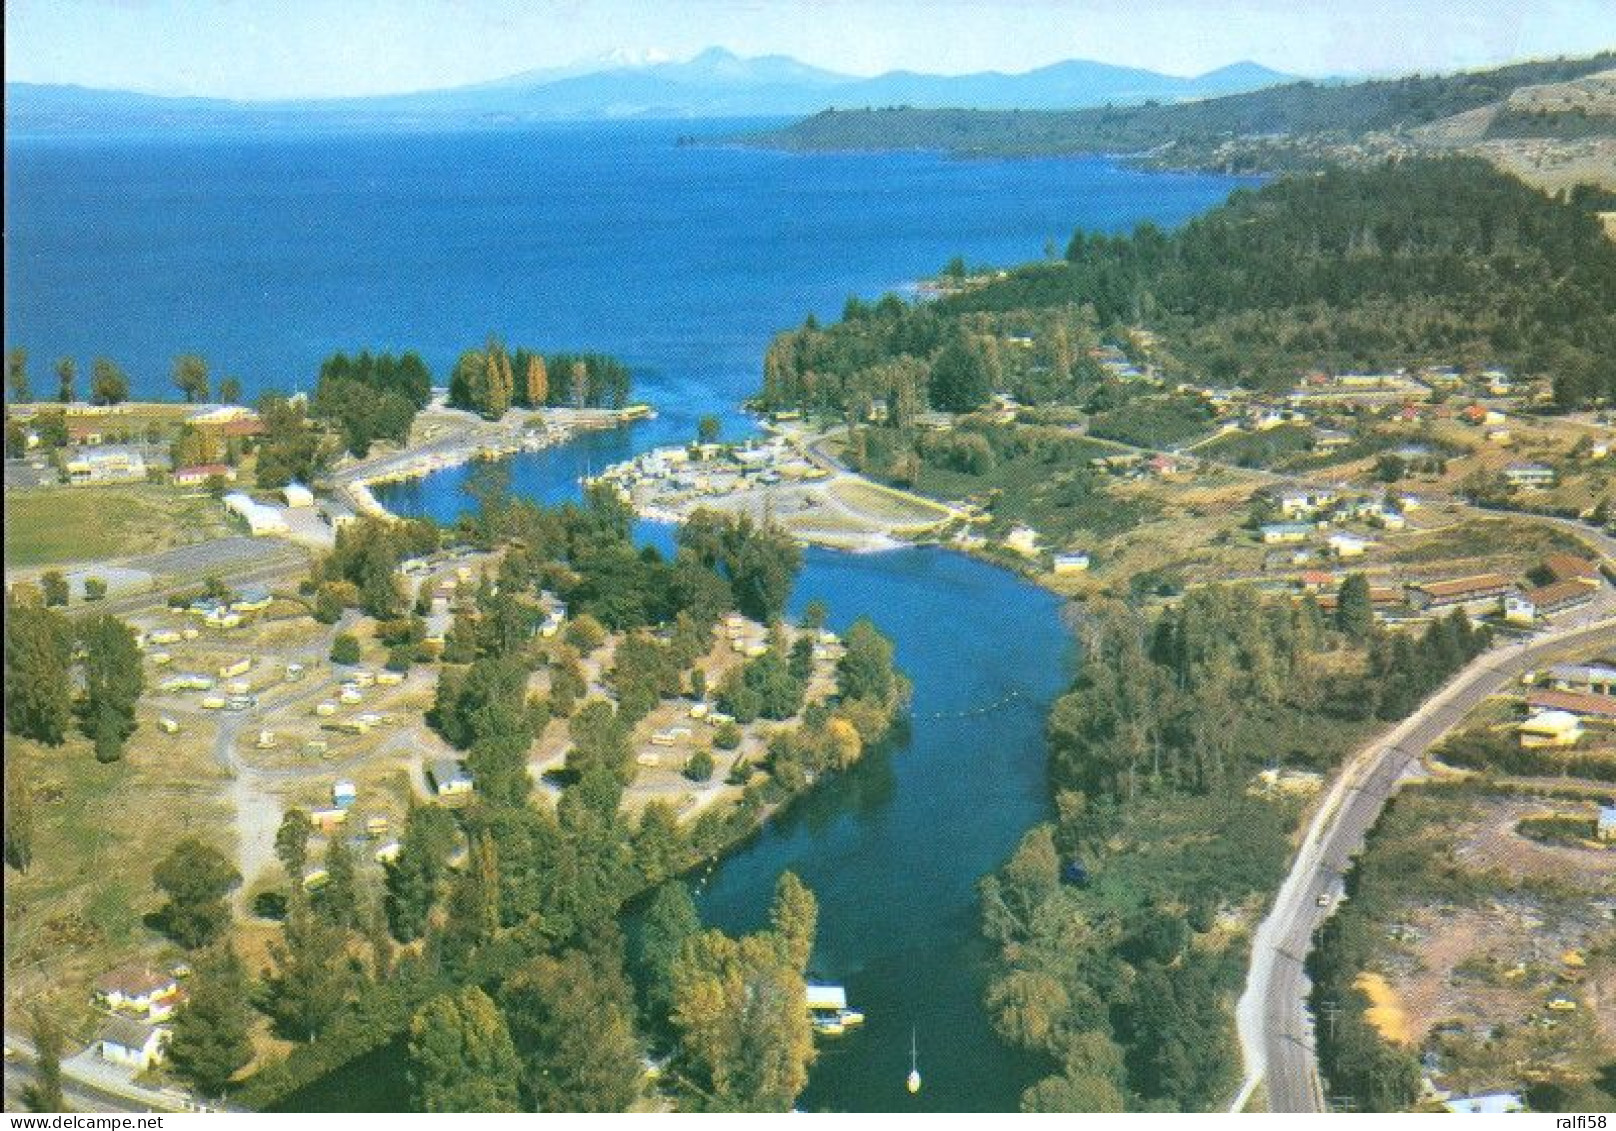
<point>67,371</point>
<point>17,374</point>
<point>19,816</point>
<point>538,381</point>
<point>461,1057</point>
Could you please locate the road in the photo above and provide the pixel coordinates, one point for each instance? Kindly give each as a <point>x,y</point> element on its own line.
<point>1276,1034</point>
<point>86,1090</point>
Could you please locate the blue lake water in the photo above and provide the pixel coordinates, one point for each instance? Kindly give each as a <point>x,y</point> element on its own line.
<point>265,255</point>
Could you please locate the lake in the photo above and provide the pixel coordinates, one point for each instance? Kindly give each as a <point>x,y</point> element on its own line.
<point>265,255</point>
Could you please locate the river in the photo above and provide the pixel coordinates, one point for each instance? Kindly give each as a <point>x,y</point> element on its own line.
<point>266,254</point>
<point>894,848</point>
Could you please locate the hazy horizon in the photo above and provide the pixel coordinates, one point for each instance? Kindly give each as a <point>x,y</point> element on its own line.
<point>356,48</point>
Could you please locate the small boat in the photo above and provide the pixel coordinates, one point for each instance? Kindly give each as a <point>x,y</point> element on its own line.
<point>850,1017</point>
<point>830,1026</point>
<point>913,1082</point>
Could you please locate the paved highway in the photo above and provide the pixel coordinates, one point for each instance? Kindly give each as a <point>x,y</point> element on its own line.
<point>1276,1033</point>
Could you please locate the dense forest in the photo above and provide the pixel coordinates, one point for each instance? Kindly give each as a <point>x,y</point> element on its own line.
<point>1118,961</point>
<point>1420,261</point>
<point>1184,129</point>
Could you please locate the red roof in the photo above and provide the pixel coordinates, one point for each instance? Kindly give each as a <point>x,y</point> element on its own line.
<point>1560,594</point>
<point>1568,567</point>
<point>1577,702</point>
<point>1483,583</point>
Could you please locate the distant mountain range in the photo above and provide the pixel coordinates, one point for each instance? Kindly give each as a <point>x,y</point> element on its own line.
<point>713,84</point>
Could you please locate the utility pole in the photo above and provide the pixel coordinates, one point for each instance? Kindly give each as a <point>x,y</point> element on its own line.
<point>1331,1010</point>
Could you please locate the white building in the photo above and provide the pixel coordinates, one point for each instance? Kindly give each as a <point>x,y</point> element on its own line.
<point>297,495</point>
<point>133,1044</point>
<point>260,519</point>
<point>1073,561</point>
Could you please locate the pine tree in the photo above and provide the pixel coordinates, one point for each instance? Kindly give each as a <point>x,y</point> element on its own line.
<point>196,877</point>
<point>292,845</point>
<point>312,976</point>
<point>1354,611</point>
<point>669,921</point>
<point>210,1040</point>
<point>113,681</point>
<point>38,692</point>
<point>338,899</point>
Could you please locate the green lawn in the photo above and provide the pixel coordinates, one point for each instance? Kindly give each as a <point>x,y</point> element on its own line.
<point>49,525</point>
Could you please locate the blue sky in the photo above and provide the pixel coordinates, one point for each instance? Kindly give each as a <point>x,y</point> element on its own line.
<point>298,48</point>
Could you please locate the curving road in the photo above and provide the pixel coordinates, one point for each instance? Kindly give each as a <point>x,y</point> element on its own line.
<point>1276,1032</point>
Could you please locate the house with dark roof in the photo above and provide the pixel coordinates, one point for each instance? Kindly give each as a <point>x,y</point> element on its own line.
<point>135,988</point>
<point>131,1043</point>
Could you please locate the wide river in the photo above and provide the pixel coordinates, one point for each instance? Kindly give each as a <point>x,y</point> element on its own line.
<point>266,254</point>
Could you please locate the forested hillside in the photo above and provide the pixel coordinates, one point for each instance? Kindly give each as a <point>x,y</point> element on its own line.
<point>1293,110</point>
<point>1415,262</point>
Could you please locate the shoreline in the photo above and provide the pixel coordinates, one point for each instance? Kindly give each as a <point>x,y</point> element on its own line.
<point>540,429</point>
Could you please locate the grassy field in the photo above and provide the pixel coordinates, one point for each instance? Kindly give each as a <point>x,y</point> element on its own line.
<point>98,831</point>
<point>50,525</point>
<point>886,505</point>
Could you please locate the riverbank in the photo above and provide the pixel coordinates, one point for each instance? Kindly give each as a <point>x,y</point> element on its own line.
<point>444,438</point>
<point>784,480</point>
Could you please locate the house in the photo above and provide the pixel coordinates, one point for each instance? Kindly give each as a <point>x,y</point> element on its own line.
<point>136,988</point>
<point>1559,596</point>
<point>1388,519</point>
<point>1275,533</point>
<point>198,474</point>
<point>1532,476</point>
<point>1519,610</point>
<point>131,1043</point>
<point>1073,561</point>
<point>1549,729</point>
<point>1587,707</point>
<point>297,495</point>
<point>260,519</point>
<point>1481,592</point>
<point>1295,504</point>
<point>1345,545</point>
<point>1598,678</point>
<point>1330,439</point>
<point>450,778</point>
<point>1606,828</point>
<point>344,794</point>
<point>106,465</point>
<point>1316,581</point>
